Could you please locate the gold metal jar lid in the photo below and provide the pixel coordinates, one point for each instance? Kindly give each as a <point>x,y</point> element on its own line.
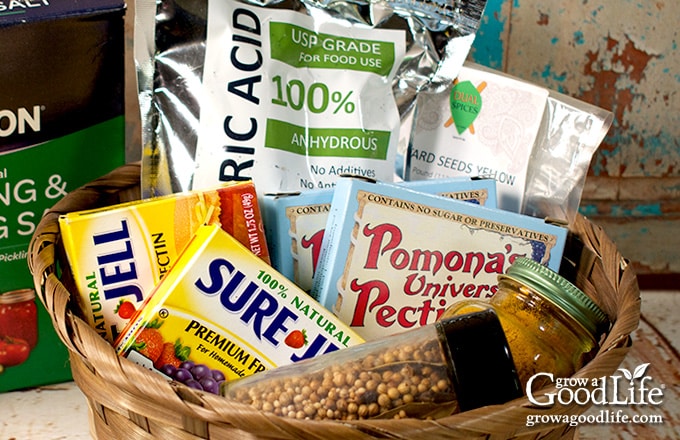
<point>17,296</point>
<point>560,292</point>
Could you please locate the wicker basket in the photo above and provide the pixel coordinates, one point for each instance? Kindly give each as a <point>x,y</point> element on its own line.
<point>127,401</point>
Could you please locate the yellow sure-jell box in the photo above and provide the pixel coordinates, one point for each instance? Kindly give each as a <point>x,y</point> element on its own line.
<point>118,254</point>
<point>222,308</point>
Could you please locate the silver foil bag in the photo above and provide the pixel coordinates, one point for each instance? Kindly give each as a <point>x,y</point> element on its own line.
<point>289,94</point>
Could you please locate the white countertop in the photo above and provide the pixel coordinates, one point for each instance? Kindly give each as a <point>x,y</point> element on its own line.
<point>46,413</point>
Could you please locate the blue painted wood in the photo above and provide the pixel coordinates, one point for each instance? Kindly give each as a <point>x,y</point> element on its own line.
<point>622,56</point>
<point>489,46</point>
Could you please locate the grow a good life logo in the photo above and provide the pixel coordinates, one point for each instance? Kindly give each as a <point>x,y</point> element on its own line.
<point>629,388</point>
<point>636,389</point>
<point>465,102</point>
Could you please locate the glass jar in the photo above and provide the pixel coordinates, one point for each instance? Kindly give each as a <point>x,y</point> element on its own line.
<point>550,324</point>
<point>453,365</point>
<point>19,315</point>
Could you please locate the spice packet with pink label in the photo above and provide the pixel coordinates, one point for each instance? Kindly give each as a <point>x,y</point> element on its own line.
<point>535,142</point>
<point>222,308</point>
<point>393,258</point>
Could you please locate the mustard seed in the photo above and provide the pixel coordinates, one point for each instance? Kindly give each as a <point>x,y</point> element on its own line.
<point>365,382</point>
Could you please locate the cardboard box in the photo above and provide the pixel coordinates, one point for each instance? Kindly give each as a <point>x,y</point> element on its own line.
<point>223,308</point>
<point>468,189</point>
<point>118,254</point>
<point>393,258</point>
<point>61,125</point>
<point>295,222</point>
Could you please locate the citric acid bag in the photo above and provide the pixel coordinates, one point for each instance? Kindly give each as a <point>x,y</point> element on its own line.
<point>290,94</point>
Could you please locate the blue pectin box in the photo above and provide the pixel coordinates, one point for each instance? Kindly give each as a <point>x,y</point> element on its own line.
<point>393,258</point>
<point>294,225</point>
<point>468,189</point>
<point>295,222</point>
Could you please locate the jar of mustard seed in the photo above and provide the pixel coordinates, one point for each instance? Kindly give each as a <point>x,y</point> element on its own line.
<point>453,365</point>
<point>551,325</point>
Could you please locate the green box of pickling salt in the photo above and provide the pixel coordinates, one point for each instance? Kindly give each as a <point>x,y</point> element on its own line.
<point>62,66</point>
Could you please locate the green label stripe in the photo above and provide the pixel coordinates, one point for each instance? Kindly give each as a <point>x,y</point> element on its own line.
<point>300,47</point>
<point>34,179</point>
<point>327,142</point>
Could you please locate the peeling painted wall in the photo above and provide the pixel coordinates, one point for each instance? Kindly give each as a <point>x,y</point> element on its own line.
<point>620,55</point>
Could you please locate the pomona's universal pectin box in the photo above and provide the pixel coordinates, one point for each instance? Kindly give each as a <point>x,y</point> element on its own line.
<point>295,222</point>
<point>118,254</point>
<point>222,308</point>
<point>62,125</point>
<point>393,258</point>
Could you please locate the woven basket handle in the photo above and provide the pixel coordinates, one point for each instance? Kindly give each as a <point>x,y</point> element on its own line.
<point>610,280</point>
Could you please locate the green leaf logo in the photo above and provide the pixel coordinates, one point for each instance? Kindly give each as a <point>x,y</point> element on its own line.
<point>466,103</point>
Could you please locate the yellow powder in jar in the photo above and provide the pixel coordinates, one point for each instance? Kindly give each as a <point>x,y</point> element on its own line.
<point>540,339</point>
<point>534,336</point>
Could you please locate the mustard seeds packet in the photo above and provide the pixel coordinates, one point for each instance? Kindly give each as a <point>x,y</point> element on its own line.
<point>535,142</point>
<point>484,124</point>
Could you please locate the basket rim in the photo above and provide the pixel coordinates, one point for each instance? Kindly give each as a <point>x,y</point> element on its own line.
<point>119,385</point>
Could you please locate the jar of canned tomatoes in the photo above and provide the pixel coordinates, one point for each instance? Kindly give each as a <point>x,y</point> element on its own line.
<point>19,315</point>
<point>551,325</point>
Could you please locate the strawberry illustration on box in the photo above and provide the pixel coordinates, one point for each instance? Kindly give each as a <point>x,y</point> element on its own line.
<point>221,308</point>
